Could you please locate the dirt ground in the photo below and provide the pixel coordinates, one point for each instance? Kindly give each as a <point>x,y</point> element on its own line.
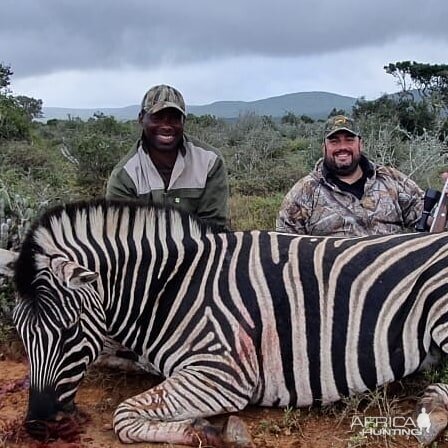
<point>103,389</point>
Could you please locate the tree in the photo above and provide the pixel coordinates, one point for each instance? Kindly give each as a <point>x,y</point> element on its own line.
<point>5,75</point>
<point>430,80</point>
<point>202,120</point>
<point>16,113</point>
<point>413,116</point>
<point>14,124</point>
<point>335,112</point>
<point>289,118</point>
<point>31,106</point>
<point>306,119</point>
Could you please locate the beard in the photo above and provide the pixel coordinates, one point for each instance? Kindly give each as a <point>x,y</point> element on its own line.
<point>342,169</point>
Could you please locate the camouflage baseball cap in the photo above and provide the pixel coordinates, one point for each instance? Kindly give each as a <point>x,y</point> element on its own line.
<point>162,97</point>
<point>340,123</point>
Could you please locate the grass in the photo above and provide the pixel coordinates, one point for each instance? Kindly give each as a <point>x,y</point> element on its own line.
<point>396,399</point>
<point>254,212</point>
<point>287,425</point>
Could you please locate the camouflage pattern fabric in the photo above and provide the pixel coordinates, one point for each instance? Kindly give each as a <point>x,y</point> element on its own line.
<point>162,97</point>
<point>392,203</point>
<point>340,123</point>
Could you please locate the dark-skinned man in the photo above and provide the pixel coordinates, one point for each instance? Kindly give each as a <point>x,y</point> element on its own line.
<point>167,167</point>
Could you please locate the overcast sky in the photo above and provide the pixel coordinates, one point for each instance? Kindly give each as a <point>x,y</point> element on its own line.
<point>107,53</point>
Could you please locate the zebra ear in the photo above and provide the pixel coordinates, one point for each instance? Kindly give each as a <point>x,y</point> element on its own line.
<point>81,277</point>
<point>72,274</point>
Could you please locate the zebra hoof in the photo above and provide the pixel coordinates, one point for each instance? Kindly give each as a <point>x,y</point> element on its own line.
<point>438,421</point>
<point>236,435</point>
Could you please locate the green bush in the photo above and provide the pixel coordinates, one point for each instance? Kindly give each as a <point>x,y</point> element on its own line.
<point>14,121</point>
<point>7,302</point>
<point>95,156</point>
<point>254,212</point>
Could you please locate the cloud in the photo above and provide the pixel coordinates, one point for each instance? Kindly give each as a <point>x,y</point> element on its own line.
<point>106,53</point>
<point>50,36</point>
<point>355,73</point>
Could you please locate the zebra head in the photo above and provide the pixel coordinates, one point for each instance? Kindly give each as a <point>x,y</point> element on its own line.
<point>60,319</point>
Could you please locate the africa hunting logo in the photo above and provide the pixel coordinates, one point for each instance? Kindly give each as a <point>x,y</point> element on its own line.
<point>391,426</point>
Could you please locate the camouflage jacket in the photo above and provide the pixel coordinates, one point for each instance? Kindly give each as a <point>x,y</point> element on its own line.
<point>391,203</point>
<point>198,182</point>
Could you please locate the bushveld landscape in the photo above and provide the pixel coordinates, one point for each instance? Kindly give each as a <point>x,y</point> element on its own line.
<point>44,164</point>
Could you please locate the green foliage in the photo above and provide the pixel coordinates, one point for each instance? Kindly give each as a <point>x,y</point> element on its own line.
<point>289,423</point>
<point>94,148</point>
<point>254,144</point>
<point>291,118</point>
<point>415,117</point>
<point>438,373</point>
<point>7,303</point>
<point>39,162</point>
<point>31,106</point>
<point>16,113</point>
<point>14,122</point>
<point>5,76</point>
<point>254,212</point>
<point>202,120</point>
<point>21,200</point>
<point>335,112</point>
<point>305,119</point>
<point>32,177</point>
<point>427,78</point>
<point>208,129</point>
<point>95,156</point>
<point>299,145</point>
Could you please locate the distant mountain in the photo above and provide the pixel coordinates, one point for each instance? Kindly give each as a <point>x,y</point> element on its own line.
<point>314,104</point>
<point>63,113</point>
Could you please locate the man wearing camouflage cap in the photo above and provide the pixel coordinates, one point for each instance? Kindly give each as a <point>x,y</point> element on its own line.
<point>348,195</point>
<point>167,167</point>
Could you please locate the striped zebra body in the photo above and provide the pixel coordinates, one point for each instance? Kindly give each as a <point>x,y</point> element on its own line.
<point>228,318</point>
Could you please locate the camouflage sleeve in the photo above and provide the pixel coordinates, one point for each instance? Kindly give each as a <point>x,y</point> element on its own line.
<point>410,197</point>
<point>294,211</point>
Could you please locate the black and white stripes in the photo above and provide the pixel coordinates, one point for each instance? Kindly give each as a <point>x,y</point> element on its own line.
<point>228,318</point>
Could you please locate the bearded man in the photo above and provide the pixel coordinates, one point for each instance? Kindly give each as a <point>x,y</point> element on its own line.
<point>348,195</point>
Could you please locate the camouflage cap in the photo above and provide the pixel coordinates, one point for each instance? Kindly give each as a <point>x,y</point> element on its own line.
<point>340,123</point>
<point>162,97</point>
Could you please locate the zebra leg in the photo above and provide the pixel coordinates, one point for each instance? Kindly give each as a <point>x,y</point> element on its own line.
<point>117,357</point>
<point>173,412</point>
<point>434,408</point>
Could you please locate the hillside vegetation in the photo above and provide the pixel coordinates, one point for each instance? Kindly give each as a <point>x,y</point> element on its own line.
<point>42,164</point>
<point>316,105</point>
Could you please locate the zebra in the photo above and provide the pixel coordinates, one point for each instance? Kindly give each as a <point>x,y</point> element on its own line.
<point>226,318</point>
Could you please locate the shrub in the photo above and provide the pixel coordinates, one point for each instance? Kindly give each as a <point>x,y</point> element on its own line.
<point>14,122</point>
<point>254,212</point>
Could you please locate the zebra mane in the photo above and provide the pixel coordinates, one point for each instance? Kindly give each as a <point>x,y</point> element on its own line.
<point>25,268</point>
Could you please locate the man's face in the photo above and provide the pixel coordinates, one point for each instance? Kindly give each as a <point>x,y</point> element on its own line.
<point>164,129</point>
<point>342,152</point>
